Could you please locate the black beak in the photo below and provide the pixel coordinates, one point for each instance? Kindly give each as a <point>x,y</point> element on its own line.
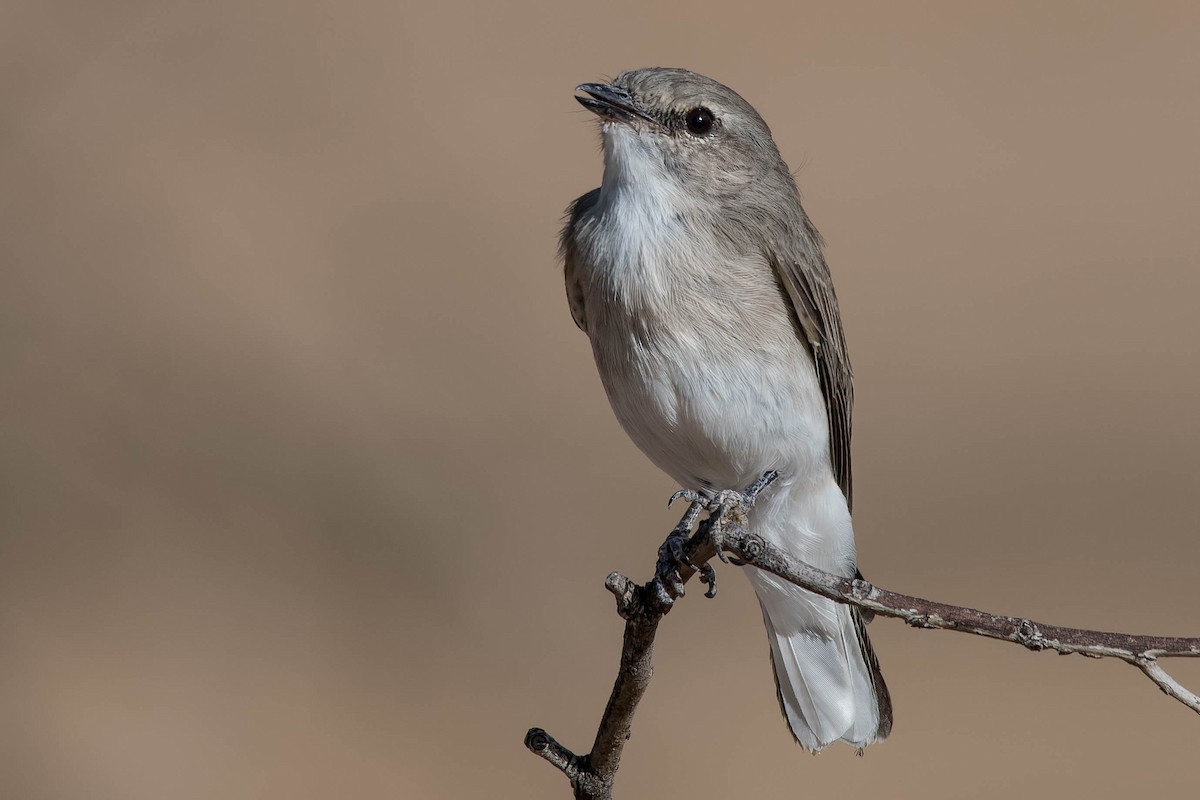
<point>611,102</point>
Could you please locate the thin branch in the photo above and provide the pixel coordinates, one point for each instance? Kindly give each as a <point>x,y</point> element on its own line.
<point>642,607</point>
<point>928,614</point>
<point>1169,685</point>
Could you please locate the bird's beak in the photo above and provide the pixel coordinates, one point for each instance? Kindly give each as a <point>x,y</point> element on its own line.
<point>611,102</point>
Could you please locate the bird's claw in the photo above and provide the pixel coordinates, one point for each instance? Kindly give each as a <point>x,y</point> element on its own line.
<point>729,499</point>
<point>672,555</point>
<point>690,495</point>
<point>725,499</point>
<point>732,500</point>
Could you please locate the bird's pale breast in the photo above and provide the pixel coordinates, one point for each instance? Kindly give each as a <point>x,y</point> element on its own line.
<point>697,350</point>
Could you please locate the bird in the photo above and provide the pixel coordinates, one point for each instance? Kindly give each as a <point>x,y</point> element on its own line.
<point>702,286</point>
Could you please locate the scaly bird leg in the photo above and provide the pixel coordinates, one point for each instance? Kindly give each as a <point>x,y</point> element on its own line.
<point>671,556</point>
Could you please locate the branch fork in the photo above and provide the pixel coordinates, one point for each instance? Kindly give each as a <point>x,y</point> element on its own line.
<point>643,606</point>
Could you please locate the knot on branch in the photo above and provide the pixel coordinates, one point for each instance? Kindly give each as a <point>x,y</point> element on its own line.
<point>546,746</point>
<point>625,591</point>
<point>537,740</point>
<point>1028,634</point>
<point>752,546</point>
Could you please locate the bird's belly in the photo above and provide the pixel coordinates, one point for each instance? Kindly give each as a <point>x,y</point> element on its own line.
<point>716,411</point>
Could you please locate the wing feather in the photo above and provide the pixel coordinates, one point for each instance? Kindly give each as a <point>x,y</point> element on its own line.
<point>805,279</point>
<point>566,247</point>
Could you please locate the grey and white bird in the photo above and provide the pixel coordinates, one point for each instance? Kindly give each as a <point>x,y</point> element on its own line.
<point>701,283</point>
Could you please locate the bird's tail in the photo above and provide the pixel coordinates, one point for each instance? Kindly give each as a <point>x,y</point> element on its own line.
<point>826,674</point>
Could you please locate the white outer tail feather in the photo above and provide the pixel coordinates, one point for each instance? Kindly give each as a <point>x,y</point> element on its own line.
<point>827,678</point>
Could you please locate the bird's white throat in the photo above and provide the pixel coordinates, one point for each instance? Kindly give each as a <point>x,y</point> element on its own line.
<point>641,211</point>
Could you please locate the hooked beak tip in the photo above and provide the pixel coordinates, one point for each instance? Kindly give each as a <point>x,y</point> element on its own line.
<point>611,102</point>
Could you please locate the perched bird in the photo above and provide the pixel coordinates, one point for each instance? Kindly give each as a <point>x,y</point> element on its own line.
<point>700,281</point>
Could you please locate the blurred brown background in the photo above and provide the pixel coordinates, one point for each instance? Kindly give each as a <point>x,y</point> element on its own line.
<point>309,487</point>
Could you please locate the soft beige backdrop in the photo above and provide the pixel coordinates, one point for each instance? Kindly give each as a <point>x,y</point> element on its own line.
<point>308,485</point>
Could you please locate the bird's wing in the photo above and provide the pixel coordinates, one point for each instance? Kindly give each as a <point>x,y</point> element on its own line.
<point>806,279</point>
<point>566,245</point>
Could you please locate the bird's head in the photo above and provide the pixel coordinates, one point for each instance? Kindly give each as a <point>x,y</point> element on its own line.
<point>698,134</point>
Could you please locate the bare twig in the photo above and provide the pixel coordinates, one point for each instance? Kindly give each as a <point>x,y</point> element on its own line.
<point>592,775</point>
<point>1169,685</point>
<point>642,608</point>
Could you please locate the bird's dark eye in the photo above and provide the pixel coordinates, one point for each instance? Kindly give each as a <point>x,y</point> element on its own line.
<point>699,121</point>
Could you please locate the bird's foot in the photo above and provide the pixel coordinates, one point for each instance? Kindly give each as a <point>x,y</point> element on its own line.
<point>733,505</point>
<point>758,487</point>
<point>724,500</point>
<point>671,555</point>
